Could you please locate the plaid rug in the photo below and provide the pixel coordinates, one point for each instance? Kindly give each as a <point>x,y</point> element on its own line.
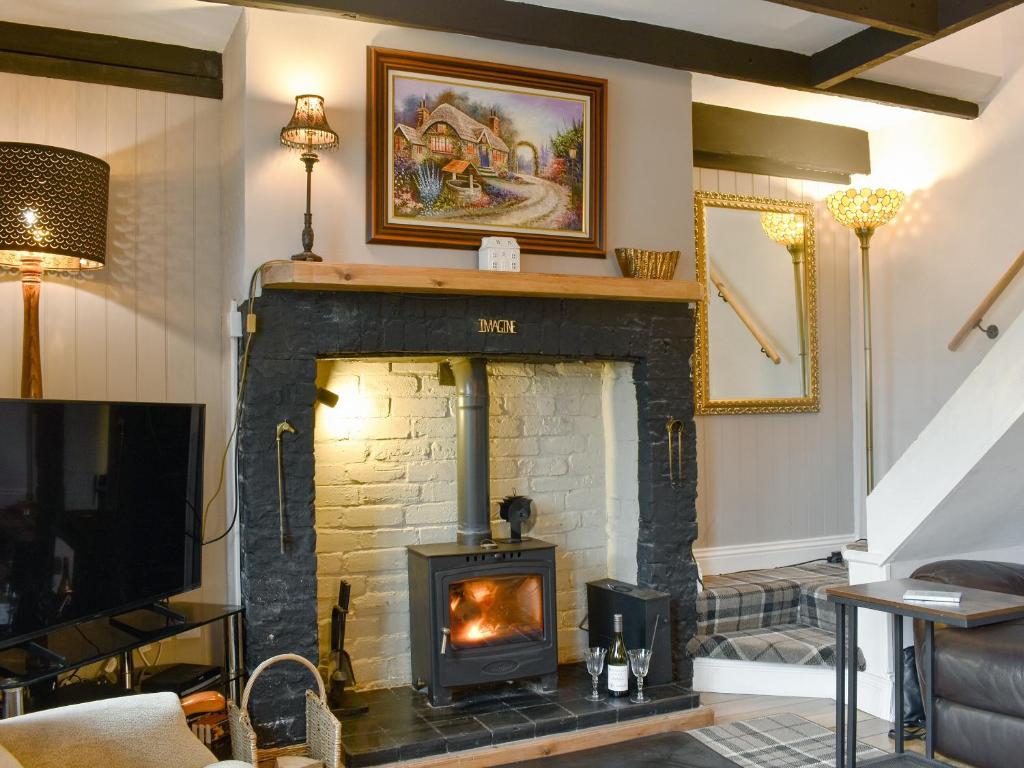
<point>777,741</point>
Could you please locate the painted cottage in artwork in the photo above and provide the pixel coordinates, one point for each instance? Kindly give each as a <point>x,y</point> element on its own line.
<point>448,132</point>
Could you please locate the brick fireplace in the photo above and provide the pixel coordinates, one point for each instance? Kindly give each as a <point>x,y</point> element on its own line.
<point>564,434</point>
<point>299,330</point>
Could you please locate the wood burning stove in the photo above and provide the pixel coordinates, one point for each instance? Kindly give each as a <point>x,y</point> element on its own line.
<point>480,615</point>
<point>481,610</point>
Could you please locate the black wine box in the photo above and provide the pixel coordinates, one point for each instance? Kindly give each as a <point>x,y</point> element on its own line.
<point>640,609</point>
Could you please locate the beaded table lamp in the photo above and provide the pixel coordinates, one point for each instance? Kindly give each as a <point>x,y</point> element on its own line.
<point>53,218</point>
<point>864,211</point>
<point>309,131</point>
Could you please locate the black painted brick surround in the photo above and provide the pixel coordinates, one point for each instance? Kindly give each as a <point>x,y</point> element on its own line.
<point>297,327</point>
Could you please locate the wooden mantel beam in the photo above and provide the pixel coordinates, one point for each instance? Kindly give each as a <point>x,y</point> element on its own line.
<point>332,276</point>
<point>528,24</point>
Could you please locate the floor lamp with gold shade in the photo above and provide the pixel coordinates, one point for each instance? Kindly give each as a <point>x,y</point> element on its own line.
<point>864,211</point>
<point>53,218</point>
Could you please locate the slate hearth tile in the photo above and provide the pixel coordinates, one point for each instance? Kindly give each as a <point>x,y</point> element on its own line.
<point>590,713</point>
<point>365,725</point>
<point>507,726</point>
<point>517,699</point>
<point>661,702</point>
<point>366,749</point>
<point>469,708</point>
<point>463,733</point>
<point>550,718</point>
<point>371,699</point>
<point>419,742</point>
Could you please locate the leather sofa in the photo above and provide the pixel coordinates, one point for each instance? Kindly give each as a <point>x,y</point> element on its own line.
<point>979,673</point>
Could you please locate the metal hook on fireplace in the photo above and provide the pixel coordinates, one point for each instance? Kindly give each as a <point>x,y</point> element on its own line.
<point>675,427</point>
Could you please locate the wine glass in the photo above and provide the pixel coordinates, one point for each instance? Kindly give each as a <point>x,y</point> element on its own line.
<point>595,665</point>
<point>639,661</point>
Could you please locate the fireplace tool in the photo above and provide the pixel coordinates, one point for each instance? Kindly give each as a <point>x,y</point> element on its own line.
<point>283,427</point>
<point>340,674</point>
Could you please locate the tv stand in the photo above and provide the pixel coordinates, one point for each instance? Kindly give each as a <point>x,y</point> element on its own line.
<point>86,643</point>
<point>34,650</point>
<point>160,609</point>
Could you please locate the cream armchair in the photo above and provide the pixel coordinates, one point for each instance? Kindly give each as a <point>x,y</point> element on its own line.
<point>146,731</point>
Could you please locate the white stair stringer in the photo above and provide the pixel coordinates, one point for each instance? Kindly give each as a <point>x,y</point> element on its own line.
<point>960,486</point>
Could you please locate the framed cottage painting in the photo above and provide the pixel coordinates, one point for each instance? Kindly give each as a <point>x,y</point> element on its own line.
<point>459,150</point>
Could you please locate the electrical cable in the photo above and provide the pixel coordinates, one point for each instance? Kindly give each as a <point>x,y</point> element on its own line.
<point>249,331</point>
<point>86,638</point>
<point>148,668</point>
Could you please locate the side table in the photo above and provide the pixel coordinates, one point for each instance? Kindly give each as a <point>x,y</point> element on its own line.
<point>977,608</point>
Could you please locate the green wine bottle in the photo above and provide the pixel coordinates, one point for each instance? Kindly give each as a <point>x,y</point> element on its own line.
<point>618,664</point>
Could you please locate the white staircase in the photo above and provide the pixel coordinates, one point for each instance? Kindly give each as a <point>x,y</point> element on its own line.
<point>957,492</point>
<point>959,488</point>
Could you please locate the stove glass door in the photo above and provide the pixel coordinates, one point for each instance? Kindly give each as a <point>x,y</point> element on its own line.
<point>495,610</point>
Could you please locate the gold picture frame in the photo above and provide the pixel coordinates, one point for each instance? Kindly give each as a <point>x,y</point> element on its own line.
<point>703,404</point>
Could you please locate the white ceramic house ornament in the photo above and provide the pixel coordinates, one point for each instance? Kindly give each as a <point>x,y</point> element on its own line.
<point>499,254</point>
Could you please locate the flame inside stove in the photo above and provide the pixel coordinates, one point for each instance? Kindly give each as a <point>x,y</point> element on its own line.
<point>496,609</point>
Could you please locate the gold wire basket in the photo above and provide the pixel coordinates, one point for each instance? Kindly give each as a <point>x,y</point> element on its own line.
<point>323,731</point>
<point>647,265</point>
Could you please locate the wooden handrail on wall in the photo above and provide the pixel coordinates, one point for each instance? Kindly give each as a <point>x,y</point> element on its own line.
<point>745,317</point>
<point>974,321</point>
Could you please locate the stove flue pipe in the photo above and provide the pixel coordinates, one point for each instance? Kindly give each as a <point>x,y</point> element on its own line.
<point>472,449</point>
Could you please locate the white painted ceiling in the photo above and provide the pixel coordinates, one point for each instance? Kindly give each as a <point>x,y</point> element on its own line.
<point>968,65</point>
<point>748,21</point>
<point>179,22</point>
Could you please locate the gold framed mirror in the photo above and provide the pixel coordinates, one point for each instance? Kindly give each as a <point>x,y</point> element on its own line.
<point>757,333</point>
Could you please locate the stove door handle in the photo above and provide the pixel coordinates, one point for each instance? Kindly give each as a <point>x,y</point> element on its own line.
<point>446,635</point>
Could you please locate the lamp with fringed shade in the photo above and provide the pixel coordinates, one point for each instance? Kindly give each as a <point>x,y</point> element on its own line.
<point>53,218</point>
<point>865,210</point>
<point>787,229</point>
<point>309,131</point>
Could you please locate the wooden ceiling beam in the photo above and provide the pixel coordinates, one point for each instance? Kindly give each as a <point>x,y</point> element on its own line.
<point>108,60</point>
<point>871,47</point>
<point>738,140</point>
<point>858,53</point>
<point>917,19</point>
<point>668,47</point>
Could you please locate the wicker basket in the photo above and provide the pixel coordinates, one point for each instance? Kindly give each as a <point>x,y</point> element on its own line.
<point>323,731</point>
<point>648,265</point>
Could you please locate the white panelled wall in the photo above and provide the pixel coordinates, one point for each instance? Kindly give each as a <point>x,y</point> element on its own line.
<point>147,327</point>
<point>783,478</point>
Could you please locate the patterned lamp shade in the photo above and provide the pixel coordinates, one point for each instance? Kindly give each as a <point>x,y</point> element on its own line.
<point>308,129</point>
<point>784,228</point>
<point>865,208</point>
<point>53,207</point>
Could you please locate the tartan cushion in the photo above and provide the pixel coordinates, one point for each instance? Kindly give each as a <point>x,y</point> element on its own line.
<point>781,644</point>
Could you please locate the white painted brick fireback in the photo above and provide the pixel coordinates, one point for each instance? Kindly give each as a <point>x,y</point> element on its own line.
<point>564,434</point>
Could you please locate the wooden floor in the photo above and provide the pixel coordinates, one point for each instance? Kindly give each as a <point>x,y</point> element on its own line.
<point>870,730</point>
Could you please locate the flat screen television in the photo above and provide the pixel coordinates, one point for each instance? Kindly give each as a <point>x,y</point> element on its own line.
<point>100,510</point>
